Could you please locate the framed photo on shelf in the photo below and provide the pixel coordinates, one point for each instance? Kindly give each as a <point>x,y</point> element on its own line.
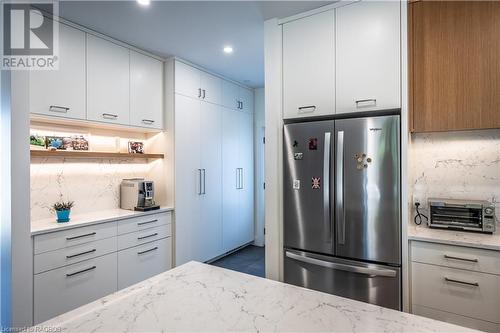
<point>135,147</point>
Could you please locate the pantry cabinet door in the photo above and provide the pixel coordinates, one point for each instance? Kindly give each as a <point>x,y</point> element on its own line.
<point>230,95</point>
<point>246,192</point>
<point>187,175</point>
<point>246,99</point>
<point>146,91</point>
<point>61,92</point>
<point>187,80</point>
<point>308,66</point>
<point>108,81</point>
<point>211,88</point>
<point>368,56</point>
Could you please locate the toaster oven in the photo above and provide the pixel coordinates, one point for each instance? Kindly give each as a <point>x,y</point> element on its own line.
<point>466,215</point>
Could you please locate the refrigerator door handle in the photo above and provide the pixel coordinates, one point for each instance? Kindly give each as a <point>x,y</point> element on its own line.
<point>339,188</point>
<point>343,267</point>
<point>326,183</point>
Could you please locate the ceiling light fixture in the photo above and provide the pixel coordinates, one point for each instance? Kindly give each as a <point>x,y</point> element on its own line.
<point>228,49</point>
<point>144,2</point>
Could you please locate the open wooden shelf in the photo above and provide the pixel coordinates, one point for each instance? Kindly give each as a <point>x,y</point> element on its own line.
<point>89,154</point>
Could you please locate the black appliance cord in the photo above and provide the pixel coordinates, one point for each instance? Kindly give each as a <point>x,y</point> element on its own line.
<point>418,218</point>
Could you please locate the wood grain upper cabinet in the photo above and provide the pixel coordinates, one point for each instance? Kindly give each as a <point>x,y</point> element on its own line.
<point>368,71</point>
<point>61,92</point>
<point>108,81</point>
<point>146,91</point>
<point>308,66</point>
<point>454,50</point>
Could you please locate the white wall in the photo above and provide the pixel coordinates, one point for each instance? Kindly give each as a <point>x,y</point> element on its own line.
<point>259,123</point>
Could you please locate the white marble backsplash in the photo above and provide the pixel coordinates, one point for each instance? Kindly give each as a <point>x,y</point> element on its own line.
<point>460,165</point>
<point>91,184</point>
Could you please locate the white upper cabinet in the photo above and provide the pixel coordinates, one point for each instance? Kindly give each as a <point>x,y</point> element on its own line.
<point>368,56</point>
<point>236,97</point>
<point>246,100</point>
<point>61,92</point>
<point>308,66</point>
<point>192,82</point>
<point>108,81</point>
<point>146,91</point>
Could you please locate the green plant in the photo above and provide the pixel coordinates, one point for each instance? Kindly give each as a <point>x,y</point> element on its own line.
<point>63,205</point>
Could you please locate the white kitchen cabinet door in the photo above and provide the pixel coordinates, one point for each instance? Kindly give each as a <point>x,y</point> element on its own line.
<point>209,228</point>
<point>187,177</point>
<point>308,66</point>
<point>246,191</point>
<point>246,99</point>
<point>211,88</point>
<point>230,95</point>
<point>61,92</point>
<point>368,56</point>
<point>108,82</point>
<point>146,91</point>
<point>187,80</point>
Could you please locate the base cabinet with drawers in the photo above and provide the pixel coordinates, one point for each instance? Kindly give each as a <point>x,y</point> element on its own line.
<point>456,284</point>
<point>77,266</point>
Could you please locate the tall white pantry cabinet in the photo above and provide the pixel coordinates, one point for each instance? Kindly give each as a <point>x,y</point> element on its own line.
<point>213,145</point>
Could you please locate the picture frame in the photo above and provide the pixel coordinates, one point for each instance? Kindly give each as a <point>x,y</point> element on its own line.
<point>135,147</point>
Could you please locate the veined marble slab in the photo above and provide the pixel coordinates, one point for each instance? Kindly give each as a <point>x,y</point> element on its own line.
<point>200,297</point>
<point>461,238</point>
<point>78,220</point>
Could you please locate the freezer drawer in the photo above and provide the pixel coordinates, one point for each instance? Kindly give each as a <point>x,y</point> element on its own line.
<point>375,284</point>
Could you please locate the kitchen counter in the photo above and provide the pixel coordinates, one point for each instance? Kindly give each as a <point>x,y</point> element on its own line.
<point>461,238</point>
<point>78,220</point>
<point>200,297</point>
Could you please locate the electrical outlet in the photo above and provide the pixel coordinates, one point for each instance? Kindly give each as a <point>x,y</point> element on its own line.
<point>417,199</point>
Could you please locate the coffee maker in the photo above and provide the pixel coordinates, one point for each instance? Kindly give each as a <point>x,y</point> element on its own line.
<point>137,194</point>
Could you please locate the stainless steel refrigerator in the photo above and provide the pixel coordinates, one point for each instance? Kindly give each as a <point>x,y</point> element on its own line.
<point>342,223</point>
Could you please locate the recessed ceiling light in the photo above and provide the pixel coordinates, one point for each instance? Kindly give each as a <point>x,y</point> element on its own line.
<point>144,2</point>
<point>228,49</point>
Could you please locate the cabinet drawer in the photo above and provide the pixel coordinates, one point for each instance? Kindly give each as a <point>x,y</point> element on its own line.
<point>456,257</point>
<point>66,238</point>
<point>143,222</point>
<point>142,262</point>
<point>457,291</point>
<point>66,288</point>
<point>73,254</point>
<point>452,318</point>
<point>144,236</point>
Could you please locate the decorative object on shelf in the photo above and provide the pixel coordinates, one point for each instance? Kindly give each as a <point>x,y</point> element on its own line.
<point>63,209</point>
<point>54,143</point>
<point>37,141</point>
<point>79,142</point>
<point>135,147</point>
<point>67,143</point>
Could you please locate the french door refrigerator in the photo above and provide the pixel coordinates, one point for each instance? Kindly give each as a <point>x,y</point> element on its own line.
<point>342,224</point>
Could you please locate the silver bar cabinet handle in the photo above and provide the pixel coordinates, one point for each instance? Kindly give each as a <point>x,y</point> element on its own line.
<point>373,100</point>
<point>147,222</point>
<point>80,254</point>
<point>81,236</point>
<point>199,182</point>
<point>199,92</point>
<point>459,258</point>
<point>204,93</point>
<point>473,284</point>
<point>150,250</point>
<point>339,188</point>
<point>308,108</point>
<point>342,267</point>
<point>82,271</point>
<point>326,182</point>
<point>109,116</point>
<point>148,236</point>
<point>57,108</point>
<point>148,121</point>
<point>204,171</point>
<point>237,178</point>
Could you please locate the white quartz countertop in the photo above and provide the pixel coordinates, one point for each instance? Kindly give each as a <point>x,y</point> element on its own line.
<point>462,238</point>
<point>78,220</point>
<point>200,297</point>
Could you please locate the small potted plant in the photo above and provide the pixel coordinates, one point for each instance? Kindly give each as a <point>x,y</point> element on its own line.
<point>63,209</point>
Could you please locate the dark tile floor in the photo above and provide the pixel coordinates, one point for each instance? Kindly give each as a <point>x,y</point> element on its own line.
<point>248,260</point>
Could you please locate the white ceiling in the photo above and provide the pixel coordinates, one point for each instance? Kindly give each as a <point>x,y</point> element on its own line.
<point>193,30</point>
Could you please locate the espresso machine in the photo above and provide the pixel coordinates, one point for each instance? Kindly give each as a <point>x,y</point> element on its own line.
<point>137,194</point>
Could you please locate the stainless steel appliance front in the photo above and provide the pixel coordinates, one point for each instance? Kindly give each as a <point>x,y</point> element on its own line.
<point>342,202</point>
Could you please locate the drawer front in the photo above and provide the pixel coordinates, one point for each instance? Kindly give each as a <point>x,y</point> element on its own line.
<point>452,318</point>
<point>479,260</point>
<point>67,288</point>
<point>144,236</point>
<point>66,238</point>
<point>144,261</point>
<point>143,222</point>
<point>73,254</point>
<point>461,292</point>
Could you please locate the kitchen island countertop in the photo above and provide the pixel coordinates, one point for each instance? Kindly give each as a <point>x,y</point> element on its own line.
<point>200,297</point>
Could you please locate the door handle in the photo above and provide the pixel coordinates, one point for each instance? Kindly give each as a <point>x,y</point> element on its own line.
<point>148,121</point>
<point>150,250</point>
<point>343,267</point>
<point>199,182</point>
<point>204,93</point>
<point>80,254</point>
<point>326,183</point>
<point>199,92</point>
<point>82,271</point>
<point>473,284</point>
<point>307,108</point>
<point>148,236</point>
<point>147,222</point>
<point>204,171</point>
<point>57,108</point>
<point>364,101</point>
<point>339,188</point>
<point>459,258</point>
<point>241,169</point>
<point>109,116</point>
<point>81,236</point>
